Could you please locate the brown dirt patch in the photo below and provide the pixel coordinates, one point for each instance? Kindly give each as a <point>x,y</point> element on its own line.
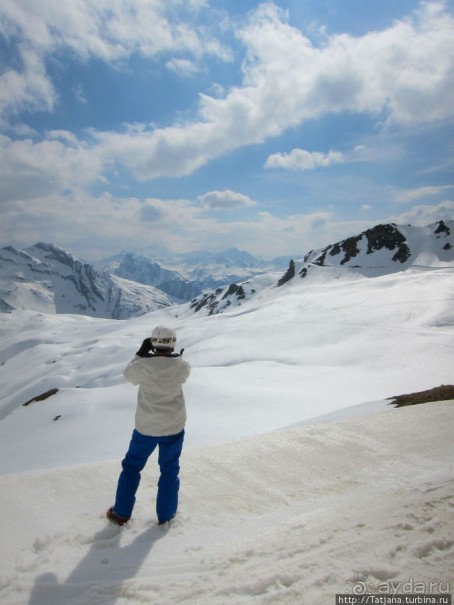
<point>441,393</point>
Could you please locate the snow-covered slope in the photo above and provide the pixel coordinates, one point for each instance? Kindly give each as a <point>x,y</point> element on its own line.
<point>231,295</point>
<point>267,514</point>
<point>48,279</point>
<point>382,250</point>
<point>290,518</point>
<point>286,355</point>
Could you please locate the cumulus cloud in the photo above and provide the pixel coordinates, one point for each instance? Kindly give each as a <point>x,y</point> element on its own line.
<point>225,200</point>
<point>300,159</point>
<point>405,73</point>
<point>28,87</point>
<point>106,30</point>
<point>425,214</point>
<point>95,226</point>
<point>109,30</point>
<point>29,170</point>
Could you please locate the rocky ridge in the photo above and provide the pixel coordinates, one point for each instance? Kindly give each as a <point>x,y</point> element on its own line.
<point>381,250</point>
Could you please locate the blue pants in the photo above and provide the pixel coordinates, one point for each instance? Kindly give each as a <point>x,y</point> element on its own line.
<point>140,449</point>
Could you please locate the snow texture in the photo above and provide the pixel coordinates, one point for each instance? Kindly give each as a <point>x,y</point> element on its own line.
<point>293,517</point>
<point>299,480</point>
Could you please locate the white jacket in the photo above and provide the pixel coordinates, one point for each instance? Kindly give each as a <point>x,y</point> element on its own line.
<point>161,407</point>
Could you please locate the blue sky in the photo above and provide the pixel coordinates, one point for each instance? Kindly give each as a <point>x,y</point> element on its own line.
<point>275,127</point>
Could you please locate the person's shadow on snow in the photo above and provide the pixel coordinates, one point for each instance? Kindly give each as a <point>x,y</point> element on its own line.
<point>99,576</point>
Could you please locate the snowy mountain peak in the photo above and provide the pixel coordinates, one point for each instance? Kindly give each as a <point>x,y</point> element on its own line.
<point>49,279</point>
<point>383,249</point>
<point>51,253</point>
<point>236,258</point>
<point>389,246</point>
<point>232,257</point>
<point>143,270</point>
<point>185,276</point>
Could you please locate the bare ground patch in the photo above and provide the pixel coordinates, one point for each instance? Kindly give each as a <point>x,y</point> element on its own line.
<point>441,393</point>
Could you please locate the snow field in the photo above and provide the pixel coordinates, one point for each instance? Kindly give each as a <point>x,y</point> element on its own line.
<point>290,517</point>
<point>347,499</point>
<point>295,353</point>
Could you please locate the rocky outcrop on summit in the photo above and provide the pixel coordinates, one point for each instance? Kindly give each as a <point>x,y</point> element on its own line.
<point>381,237</point>
<point>381,250</point>
<point>290,274</point>
<point>388,247</point>
<point>231,296</point>
<point>221,298</point>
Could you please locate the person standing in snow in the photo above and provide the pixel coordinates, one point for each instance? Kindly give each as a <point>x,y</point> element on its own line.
<point>159,422</point>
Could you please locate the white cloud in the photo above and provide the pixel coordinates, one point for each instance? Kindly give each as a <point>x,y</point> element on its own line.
<point>29,170</point>
<point>425,214</point>
<point>95,226</point>
<point>300,159</point>
<point>225,200</point>
<point>30,87</point>
<point>406,71</point>
<point>409,195</point>
<point>109,30</point>
<point>183,67</point>
<point>22,130</point>
<point>79,94</point>
<point>173,213</point>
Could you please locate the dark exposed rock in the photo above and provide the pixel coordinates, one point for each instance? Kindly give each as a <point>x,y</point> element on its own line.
<point>442,228</point>
<point>378,238</point>
<point>207,300</point>
<point>41,397</point>
<point>388,236</point>
<point>441,393</point>
<point>235,289</point>
<point>290,274</point>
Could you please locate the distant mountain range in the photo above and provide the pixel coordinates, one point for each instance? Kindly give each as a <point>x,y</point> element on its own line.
<point>378,251</point>
<point>184,276</point>
<point>49,279</point>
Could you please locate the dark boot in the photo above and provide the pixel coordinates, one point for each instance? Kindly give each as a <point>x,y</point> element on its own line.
<point>112,516</point>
